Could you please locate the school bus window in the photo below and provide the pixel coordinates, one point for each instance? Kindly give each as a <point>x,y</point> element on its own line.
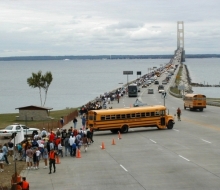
<point>112,116</point>
<point>123,116</point>
<point>138,114</point>
<point>133,115</point>
<point>152,114</point>
<point>94,117</point>
<point>147,114</point>
<point>102,117</point>
<point>142,114</point>
<point>118,116</point>
<point>157,113</point>
<point>128,115</point>
<point>107,117</point>
<point>162,112</point>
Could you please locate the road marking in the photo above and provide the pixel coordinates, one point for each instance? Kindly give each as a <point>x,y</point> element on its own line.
<point>153,141</point>
<point>205,141</point>
<point>123,168</point>
<point>184,158</point>
<point>175,130</point>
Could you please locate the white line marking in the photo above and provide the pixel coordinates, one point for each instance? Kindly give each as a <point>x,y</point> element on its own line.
<point>175,130</point>
<point>184,158</point>
<point>123,168</point>
<point>153,141</point>
<point>205,141</point>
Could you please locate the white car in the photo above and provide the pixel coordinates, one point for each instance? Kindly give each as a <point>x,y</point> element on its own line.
<point>9,130</point>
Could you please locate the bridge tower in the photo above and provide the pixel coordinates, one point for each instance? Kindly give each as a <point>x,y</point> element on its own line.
<point>180,38</point>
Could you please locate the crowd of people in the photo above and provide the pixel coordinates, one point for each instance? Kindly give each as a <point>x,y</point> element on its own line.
<point>48,145</point>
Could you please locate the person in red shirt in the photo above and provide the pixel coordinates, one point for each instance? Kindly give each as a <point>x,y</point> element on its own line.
<point>57,141</point>
<point>52,136</point>
<point>52,156</point>
<point>25,184</point>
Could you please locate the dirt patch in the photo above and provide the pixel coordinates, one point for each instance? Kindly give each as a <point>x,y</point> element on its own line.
<point>9,170</point>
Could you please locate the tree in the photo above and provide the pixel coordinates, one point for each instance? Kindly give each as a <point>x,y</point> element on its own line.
<point>37,80</point>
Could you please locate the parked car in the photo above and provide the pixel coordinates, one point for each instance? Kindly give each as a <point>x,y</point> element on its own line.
<point>16,127</point>
<point>150,91</point>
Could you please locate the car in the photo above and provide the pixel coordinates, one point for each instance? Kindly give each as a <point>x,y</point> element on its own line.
<point>156,82</point>
<point>150,91</point>
<point>16,128</point>
<point>164,82</point>
<point>144,86</point>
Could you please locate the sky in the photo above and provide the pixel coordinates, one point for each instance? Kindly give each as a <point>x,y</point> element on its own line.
<point>107,27</point>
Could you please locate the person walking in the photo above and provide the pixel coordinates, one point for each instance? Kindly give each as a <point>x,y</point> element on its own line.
<point>5,152</point>
<point>74,122</point>
<point>52,156</point>
<point>62,121</point>
<point>178,111</point>
<point>45,156</point>
<point>29,158</point>
<point>83,121</point>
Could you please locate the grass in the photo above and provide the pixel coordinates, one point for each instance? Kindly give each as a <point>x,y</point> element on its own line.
<point>7,119</point>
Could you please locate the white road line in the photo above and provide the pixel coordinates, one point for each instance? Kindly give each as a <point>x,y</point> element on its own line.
<point>184,158</point>
<point>175,130</point>
<point>205,141</point>
<point>153,141</point>
<point>123,168</point>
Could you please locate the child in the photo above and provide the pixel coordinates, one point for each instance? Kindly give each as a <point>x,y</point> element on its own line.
<point>85,142</point>
<point>38,158</point>
<point>60,149</point>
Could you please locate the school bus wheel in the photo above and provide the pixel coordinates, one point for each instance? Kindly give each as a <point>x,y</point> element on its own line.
<point>170,125</point>
<point>124,129</point>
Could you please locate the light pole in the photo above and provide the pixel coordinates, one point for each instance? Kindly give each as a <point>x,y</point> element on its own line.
<point>14,176</point>
<point>26,126</point>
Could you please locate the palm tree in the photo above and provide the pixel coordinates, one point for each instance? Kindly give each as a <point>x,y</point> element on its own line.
<point>37,80</point>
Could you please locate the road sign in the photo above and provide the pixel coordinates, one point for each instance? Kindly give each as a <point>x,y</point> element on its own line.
<point>138,72</point>
<point>128,72</point>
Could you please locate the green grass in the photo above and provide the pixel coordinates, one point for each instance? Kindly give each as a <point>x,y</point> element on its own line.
<point>7,119</point>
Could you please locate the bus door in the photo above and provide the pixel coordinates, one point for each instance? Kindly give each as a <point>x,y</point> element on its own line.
<point>162,121</point>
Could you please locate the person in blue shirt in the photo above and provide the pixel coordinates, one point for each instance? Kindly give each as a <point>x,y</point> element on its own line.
<point>5,152</point>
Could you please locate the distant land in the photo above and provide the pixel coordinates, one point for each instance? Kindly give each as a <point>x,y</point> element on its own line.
<point>78,57</point>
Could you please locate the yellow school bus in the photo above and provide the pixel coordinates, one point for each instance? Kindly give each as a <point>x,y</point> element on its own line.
<point>122,119</point>
<point>195,101</point>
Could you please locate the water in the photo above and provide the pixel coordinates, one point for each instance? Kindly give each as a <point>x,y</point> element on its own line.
<point>205,71</point>
<point>75,82</point>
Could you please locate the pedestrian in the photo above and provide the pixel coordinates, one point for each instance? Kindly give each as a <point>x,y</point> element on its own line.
<point>58,133</point>
<point>52,156</point>
<point>66,145</point>
<point>10,148</point>
<point>118,97</point>
<point>45,156</point>
<point>62,121</point>
<point>5,152</point>
<point>74,122</point>
<point>91,135</point>
<point>38,153</point>
<point>71,141</point>
<point>25,184</point>
<point>2,159</point>
<point>43,133</point>
<point>29,158</point>
<point>60,149</point>
<point>63,136</point>
<point>85,142</point>
<point>178,111</point>
<point>83,121</point>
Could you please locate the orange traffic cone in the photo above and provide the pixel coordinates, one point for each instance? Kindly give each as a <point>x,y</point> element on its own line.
<point>113,141</point>
<point>103,145</point>
<point>119,135</point>
<point>57,160</point>
<point>78,154</point>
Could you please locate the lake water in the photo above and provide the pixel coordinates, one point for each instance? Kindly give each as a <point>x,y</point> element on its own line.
<point>76,82</point>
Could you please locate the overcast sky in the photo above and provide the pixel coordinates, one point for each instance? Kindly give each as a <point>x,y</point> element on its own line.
<point>107,27</point>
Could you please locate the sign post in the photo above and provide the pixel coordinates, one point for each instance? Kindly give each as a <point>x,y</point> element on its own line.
<point>138,73</point>
<point>163,95</point>
<point>127,73</point>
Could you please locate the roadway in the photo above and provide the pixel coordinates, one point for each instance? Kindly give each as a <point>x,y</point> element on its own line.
<point>186,157</point>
